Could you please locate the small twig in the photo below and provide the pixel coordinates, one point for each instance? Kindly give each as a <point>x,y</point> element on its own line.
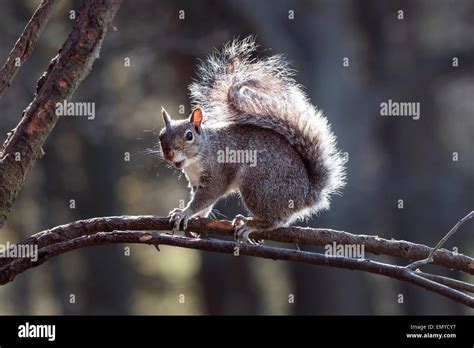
<point>453,230</point>
<point>453,283</point>
<point>26,42</point>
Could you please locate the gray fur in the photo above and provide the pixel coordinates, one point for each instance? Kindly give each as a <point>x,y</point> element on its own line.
<point>255,106</point>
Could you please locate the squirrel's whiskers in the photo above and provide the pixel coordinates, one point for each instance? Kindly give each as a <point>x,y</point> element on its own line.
<point>252,131</point>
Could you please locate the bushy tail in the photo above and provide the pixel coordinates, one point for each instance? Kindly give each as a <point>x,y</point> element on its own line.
<point>235,87</point>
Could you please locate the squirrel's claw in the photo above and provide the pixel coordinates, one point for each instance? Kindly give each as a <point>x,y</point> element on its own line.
<point>242,229</point>
<point>239,220</point>
<point>241,234</point>
<point>178,216</point>
<point>243,226</point>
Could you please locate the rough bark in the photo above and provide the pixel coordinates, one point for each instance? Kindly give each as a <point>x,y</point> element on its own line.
<point>64,74</point>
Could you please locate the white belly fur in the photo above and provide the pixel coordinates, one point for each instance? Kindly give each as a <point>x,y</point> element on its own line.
<point>193,173</point>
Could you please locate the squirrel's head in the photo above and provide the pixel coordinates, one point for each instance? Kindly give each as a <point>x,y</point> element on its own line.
<point>180,139</point>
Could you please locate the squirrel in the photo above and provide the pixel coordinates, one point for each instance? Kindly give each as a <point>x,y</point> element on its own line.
<point>252,131</point>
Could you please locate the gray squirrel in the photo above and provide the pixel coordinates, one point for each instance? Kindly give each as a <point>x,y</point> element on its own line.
<point>252,131</point>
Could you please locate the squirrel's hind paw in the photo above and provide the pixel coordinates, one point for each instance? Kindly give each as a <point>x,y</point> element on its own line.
<point>241,234</point>
<point>242,229</point>
<point>240,220</point>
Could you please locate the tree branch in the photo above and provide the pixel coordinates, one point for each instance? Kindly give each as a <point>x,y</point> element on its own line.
<point>64,74</point>
<point>137,229</point>
<point>26,42</point>
<point>453,283</point>
<point>8,272</point>
<point>298,235</point>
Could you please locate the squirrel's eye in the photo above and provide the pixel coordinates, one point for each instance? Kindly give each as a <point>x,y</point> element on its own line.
<point>189,136</point>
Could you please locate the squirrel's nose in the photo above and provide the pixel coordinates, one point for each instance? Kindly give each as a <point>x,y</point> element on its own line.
<point>169,155</point>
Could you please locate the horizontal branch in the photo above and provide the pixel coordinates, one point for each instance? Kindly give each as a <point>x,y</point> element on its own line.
<point>9,271</point>
<point>299,235</point>
<point>26,42</point>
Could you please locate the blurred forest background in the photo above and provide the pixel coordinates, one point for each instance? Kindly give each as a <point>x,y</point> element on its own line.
<point>408,59</point>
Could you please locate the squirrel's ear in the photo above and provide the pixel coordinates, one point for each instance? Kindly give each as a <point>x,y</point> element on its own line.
<point>166,117</point>
<point>196,118</point>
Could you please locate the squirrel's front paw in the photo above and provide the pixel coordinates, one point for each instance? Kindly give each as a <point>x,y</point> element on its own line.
<point>178,216</point>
